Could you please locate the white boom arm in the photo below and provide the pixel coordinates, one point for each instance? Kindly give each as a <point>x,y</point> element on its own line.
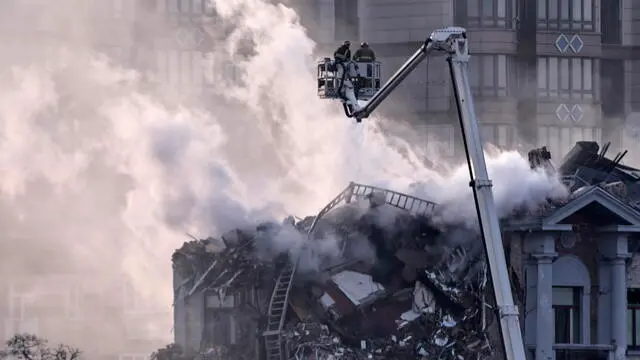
<point>453,42</point>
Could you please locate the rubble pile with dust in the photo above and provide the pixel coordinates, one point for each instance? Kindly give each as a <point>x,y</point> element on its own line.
<point>417,292</point>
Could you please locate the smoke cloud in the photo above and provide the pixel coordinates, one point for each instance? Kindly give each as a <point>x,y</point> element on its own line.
<point>104,169</point>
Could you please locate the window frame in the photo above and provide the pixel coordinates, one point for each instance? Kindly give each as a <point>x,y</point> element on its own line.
<point>216,332</point>
<point>633,323</point>
<point>503,136</point>
<point>480,87</point>
<point>346,20</point>
<point>553,137</point>
<point>195,11</point>
<point>551,85</point>
<point>575,313</point>
<point>192,69</point>
<point>495,20</point>
<point>570,23</point>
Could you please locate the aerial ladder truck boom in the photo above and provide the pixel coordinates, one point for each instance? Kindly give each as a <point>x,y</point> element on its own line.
<point>453,42</point>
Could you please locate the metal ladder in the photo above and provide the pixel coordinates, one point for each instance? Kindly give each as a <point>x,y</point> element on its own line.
<point>411,204</point>
<point>274,343</point>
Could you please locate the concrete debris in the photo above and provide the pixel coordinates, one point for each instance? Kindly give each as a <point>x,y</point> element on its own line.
<point>417,295</point>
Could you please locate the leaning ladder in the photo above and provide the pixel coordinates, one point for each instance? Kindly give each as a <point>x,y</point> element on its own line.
<point>274,342</point>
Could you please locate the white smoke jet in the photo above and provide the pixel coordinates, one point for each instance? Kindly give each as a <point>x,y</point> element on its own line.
<point>112,171</point>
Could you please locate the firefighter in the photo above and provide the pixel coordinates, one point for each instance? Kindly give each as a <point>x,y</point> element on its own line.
<point>342,56</point>
<point>343,53</point>
<point>364,54</point>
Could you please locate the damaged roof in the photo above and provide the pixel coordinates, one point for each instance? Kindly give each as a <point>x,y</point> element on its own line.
<point>602,192</point>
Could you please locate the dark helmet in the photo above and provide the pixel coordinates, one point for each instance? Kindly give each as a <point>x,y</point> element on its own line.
<point>364,44</point>
<point>347,42</point>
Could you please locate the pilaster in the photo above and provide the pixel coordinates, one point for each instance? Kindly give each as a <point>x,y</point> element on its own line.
<point>544,315</point>
<point>541,247</point>
<point>614,248</point>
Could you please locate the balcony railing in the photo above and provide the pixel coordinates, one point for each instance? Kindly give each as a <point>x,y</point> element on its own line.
<point>577,352</point>
<point>583,352</point>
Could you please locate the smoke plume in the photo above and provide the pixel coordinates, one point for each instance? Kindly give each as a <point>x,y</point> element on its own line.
<point>105,167</point>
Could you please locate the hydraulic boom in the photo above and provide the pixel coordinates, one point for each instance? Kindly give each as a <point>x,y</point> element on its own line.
<point>453,42</point>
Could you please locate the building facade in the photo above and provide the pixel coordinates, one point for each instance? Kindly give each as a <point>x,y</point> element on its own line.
<point>548,72</point>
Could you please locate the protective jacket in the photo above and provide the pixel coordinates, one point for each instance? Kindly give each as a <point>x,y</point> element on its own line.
<point>364,54</point>
<point>343,53</point>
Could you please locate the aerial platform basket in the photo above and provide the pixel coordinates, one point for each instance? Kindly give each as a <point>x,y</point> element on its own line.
<point>368,83</point>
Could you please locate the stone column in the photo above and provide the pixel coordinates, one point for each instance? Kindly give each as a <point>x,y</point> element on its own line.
<point>545,335</point>
<point>541,246</point>
<point>614,248</point>
<point>619,306</point>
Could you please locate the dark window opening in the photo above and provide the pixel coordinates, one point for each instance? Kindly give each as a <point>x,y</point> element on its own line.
<point>347,22</point>
<point>573,15</point>
<point>611,86</point>
<point>567,314</point>
<point>489,75</point>
<point>611,22</point>
<point>491,13</point>
<point>219,327</point>
<point>633,318</point>
<point>567,78</point>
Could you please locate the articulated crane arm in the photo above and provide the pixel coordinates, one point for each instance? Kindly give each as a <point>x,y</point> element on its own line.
<point>439,40</point>
<point>453,42</point>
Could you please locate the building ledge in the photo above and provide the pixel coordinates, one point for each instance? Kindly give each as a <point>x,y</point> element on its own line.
<point>633,352</point>
<point>620,52</point>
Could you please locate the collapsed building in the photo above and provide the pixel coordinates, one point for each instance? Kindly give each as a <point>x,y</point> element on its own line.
<point>372,277</point>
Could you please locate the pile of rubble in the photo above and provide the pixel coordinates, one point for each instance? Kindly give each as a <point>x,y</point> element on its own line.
<point>417,294</point>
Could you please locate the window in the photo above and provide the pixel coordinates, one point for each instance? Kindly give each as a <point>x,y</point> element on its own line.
<point>347,24</point>
<point>220,327</point>
<point>573,15</point>
<point>633,318</point>
<point>132,301</point>
<point>567,314</point>
<point>489,75</point>
<point>491,13</point>
<point>215,302</point>
<point>610,22</point>
<point>194,7</point>
<point>133,357</point>
<point>193,68</point>
<point>45,305</point>
<point>502,136</point>
<point>440,139</point>
<point>566,78</point>
<point>560,139</point>
<point>633,245</point>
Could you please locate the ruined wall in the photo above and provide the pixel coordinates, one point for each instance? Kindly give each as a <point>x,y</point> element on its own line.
<point>633,271</point>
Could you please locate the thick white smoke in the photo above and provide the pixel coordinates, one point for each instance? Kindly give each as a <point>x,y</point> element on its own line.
<point>112,171</point>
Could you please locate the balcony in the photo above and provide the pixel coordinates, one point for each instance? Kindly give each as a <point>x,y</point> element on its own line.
<point>577,352</point>
<point>583,352</point>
